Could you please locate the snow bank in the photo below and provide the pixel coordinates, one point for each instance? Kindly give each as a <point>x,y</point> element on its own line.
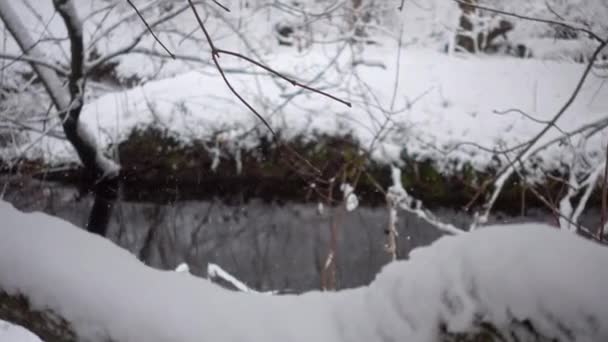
<point>442,101</point>
<point>13,333</point>
<point>499,275</point>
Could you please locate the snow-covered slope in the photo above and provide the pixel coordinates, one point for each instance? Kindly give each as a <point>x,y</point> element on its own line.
<point>441,102</point>
<point>500,275</point>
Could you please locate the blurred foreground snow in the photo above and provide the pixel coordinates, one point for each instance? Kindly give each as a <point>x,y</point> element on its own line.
<point>14,333</point>
<point>511,277</point>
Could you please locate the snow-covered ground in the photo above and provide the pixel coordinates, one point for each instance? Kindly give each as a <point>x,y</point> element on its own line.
<point>14,333</point>
<point>500,275</point>
<point>441,101</point>
<point>418,100</point>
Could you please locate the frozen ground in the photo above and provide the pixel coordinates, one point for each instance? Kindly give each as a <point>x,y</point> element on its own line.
<point>500,275</point>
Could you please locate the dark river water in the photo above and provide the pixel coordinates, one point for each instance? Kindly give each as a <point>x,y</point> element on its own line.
<point>269,246</point>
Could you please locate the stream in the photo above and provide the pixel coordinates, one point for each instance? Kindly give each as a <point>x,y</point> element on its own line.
<point>267,245</point>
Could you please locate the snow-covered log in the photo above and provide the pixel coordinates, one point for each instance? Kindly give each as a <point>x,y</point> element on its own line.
<point>503,282</point>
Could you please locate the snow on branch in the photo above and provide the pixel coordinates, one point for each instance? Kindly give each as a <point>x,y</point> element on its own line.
<point>527,149</point>
<point>77,133</point>
<point>216,272</point>
<point>499,180</point>
<point>399,196</point>
<point>68,102</point>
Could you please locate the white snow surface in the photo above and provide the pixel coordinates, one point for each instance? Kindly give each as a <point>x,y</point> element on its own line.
<point>496,274</point>
<point>13,333</point>
<point>441,102</point>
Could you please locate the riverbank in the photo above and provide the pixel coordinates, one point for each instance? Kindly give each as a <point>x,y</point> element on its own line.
<point>156,167</point>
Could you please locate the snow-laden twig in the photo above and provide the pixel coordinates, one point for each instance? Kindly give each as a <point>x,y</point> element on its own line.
<point>216,272</point>
<point>392,233</point>
<point>216,153</point>
<point>505,172</point>
<point>588,129</point>
<point>150,29</point>
<point>408,203</point>
<point>569,215</point>
<point>565,204</point>
<point>481,219</point>
<point>590,184</point>
<point>182,268</point>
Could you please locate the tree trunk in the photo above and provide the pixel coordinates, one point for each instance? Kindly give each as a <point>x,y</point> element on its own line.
<point>69,103</point>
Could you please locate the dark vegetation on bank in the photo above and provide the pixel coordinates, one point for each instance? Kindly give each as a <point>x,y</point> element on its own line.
<point>157,167</point>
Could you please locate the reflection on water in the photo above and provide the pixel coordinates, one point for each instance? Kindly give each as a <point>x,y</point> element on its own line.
<point>268,246</point>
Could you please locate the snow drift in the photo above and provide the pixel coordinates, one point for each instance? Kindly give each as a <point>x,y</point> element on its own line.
<point>524,281</point>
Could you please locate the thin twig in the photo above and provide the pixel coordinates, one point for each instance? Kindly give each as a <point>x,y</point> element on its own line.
<point>24,57</point>
<point>526,115</point>
<point>150,29</point>
<point>604,198</point>
<point>400,8</point>
<point>280,75</point>
<point>509,168</point>
<point>554,12</point>
<point>222,6</point>
<point>134,42</point>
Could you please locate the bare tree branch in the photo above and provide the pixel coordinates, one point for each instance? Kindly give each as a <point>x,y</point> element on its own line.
<point>50,81</point>
<point>280,75</point>
<point>35,60</point>
<point>136,40</point>
<point>95,37</point>
<point>150,29</point>
<point>222,6</point>
<point>508,170</point>
<point>215,53</point>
